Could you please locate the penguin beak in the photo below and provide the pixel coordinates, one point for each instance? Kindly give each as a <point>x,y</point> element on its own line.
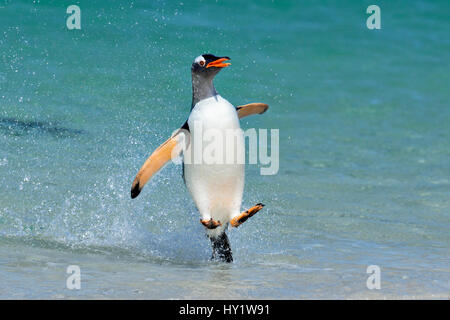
<point>219,63</point>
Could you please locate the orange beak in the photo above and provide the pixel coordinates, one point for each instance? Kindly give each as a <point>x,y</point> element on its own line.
<point>219,63</point>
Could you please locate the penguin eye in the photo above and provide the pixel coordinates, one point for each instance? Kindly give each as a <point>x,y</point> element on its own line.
<point>202,63</point>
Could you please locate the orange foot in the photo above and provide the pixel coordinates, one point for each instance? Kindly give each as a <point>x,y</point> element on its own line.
<point>240,219</point>
<point>211,224</point>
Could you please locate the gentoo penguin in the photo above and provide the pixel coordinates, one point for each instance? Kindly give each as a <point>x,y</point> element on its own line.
<point>216,186</point>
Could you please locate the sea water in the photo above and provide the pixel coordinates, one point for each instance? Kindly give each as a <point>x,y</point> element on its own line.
<point>364,139</point>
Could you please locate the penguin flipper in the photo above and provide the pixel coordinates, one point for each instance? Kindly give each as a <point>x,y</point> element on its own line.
<point>170,149</point>
<point>251,108</point>
<point>240,219</point>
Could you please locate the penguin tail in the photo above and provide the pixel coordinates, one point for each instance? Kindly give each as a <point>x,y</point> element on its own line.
<point>240,219</point>
<point>221,248</point>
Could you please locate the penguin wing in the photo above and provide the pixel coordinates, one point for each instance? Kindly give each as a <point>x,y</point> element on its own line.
<point>169,150</point>
<point>251,108</point>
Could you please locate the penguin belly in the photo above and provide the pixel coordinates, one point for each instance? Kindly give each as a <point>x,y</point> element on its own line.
<point>216,185</point>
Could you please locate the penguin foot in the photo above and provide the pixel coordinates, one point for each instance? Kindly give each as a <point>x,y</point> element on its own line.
<point>240,219</point>
<point>211,224</point>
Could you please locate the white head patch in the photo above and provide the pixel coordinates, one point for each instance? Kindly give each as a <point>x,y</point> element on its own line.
<point>200,60</point>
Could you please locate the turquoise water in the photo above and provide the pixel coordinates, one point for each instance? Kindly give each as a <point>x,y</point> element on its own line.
<point>364,121</point>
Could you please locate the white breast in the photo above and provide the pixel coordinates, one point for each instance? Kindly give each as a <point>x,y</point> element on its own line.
<point>216,184</point>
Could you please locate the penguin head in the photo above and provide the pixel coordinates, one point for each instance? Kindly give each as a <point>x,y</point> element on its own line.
<point>209,65</point>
